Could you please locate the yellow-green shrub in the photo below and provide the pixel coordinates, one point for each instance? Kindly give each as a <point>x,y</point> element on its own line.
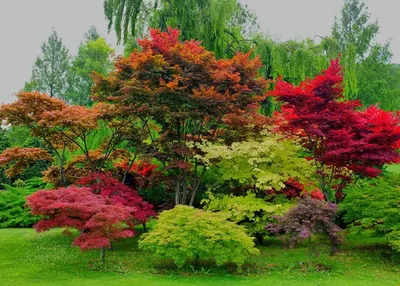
<point>187,235</point>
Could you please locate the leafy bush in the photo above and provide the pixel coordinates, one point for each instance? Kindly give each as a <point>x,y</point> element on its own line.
<point>308,217</point>
<point>13,212</point>
<point>187,235</point>
<point>251,212</point>
<point>374,205</point>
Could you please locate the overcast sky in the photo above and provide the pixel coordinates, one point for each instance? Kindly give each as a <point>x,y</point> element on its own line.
<point>26,24</point>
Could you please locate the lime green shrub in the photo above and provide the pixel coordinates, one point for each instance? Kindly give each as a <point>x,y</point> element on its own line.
<point>251,212</point>
<point>187,235</point>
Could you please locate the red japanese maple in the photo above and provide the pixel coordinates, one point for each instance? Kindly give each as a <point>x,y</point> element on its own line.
<point>99,221</point>
<point>343,140</point>
<point>295,189</point>
<point>119,194</point>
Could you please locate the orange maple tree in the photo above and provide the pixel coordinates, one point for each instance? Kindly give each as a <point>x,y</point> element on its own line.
<point>189,95</point>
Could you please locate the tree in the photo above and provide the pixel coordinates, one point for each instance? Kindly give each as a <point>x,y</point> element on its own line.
<point>369,76</point>
<point>120,194</point>
<point>91,35</point>
<point>307,218</point>
<point>27,111</point>
<point>294,60</point>
<point>49,74</point>
<point>263,163</point>
<point>94,55</point>
<point>17,159</point>
<point>219,24</point>
<point>250,211</point>
<point>373,205</point>
<point>99,221</point>
<point>343,142</point>
<point>188,94</point>
<point>353,28</point>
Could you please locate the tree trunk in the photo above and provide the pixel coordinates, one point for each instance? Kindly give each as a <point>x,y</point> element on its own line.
<point>102,254</point>
<point>177,192</point>
<point>185,192</point>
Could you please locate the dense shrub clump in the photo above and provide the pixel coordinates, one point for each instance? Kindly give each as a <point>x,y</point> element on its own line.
<point>374,206</point>
<point>187,235</point>
<point>13,213</point>
<point>308,217</point>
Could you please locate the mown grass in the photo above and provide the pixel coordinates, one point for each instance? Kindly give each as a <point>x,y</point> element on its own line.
<point>27,258</point>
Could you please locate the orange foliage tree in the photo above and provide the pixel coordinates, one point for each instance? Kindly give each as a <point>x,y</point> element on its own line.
<point>189,95</point>
<point>63,127</point>
<point>17,159</point>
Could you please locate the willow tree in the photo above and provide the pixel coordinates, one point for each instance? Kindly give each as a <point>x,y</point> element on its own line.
<point>221,25</point>
<point>294,61</point>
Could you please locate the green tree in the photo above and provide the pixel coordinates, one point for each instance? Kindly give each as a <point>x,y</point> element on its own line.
<point>91,35</point>
<point>369,75</point>
<point>264,163</point>
<point>93,56</point>
<point>49,73</point>
<point>221,25</point>
<point>354,28</point>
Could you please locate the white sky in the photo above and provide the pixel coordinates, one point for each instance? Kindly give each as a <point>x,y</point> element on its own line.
<point>26,24</point>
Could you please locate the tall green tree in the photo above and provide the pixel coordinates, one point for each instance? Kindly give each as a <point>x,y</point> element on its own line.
<point>91,35</point>
<point>49,73</point>
<point>221,25</point>
<point>369,74</point>
<point>354,28</point>
<point>93,56</point>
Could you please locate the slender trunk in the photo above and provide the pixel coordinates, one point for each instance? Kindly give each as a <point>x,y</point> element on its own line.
<point>196,187</point>
<point>177,192</point>
<point>61,157</point>
<point>185,192</point>
<point>144,227</point>
<point>102,254</point>
<point>309,251</point>
<point>62,175</point>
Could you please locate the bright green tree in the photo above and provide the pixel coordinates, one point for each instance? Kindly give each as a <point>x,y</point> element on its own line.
<point>93,56</point>
<point>264,163</point>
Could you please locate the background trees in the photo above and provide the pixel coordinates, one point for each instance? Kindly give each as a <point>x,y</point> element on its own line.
<point>222,25</point>
<point>60,75</point>
<point>375,80</point>
<point>49,73</point>
<point>94,55</point>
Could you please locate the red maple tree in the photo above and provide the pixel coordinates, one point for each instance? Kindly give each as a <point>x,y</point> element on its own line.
<point>98,219</point>
<point>343,140</point>
<point>119,194</point>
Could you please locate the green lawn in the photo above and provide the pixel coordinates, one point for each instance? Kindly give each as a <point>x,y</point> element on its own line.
<point>27,258</point>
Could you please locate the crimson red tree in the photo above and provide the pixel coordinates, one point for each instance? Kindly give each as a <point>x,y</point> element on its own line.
<point>344,141</point>
<point>99,221</point>
<point>120,194</point>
